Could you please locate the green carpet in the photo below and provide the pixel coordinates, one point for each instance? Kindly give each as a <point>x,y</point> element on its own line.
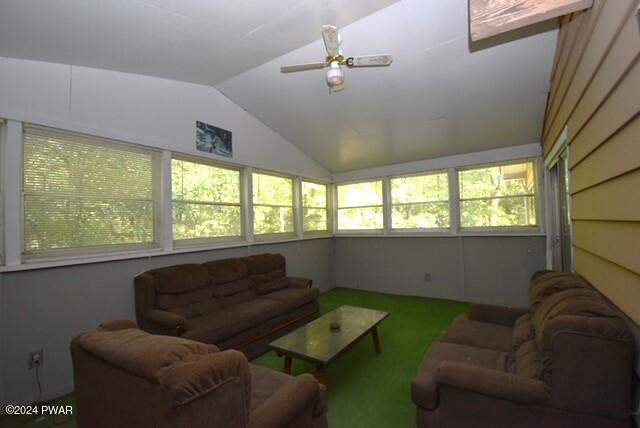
<point>365,389</point>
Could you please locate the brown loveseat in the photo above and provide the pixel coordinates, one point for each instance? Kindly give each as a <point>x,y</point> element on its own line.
<point>125,377</point>
<point>566,361</point>
<point>241,303</point>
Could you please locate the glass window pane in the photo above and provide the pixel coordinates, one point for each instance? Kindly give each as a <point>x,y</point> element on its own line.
<point>315,219</point>
<point>503,180</point>
<point>272,190</point>
<point>314,195</point>
<point>420,216</point>
<point>60,222</point>
<point>81,191</point>
<point>422,188</point>
<point>360,194</point>
<point>509,211</point>
<point>192,221</point>
<point>192,181</point>
<point>360,218</point>
<point>272,220</point>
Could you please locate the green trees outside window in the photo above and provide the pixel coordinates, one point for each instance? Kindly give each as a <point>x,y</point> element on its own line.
<point>81,192</point>
<point>314,207</point>
<point>420,202</point>
<point>272,204</point>
<point>498,196</point>
<point>205,201</point>
<point>360,206</point>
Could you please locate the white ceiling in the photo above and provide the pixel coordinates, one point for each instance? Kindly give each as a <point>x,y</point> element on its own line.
<point>437,98</point>
<point>199,41</point>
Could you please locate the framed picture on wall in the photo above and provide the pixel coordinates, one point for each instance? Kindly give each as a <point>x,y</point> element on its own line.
<point>212,139</point>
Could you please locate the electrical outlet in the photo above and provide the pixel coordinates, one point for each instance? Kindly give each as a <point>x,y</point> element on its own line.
<point>427,277</point>
<point>36,358</point>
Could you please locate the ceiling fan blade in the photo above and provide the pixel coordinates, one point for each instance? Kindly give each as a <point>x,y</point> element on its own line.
<point>331,39</point>
<point>302,67</point>
<point>369,61</point>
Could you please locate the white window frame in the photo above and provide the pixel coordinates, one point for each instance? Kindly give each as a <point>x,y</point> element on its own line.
<point>205,241</point>
<point>98,250</point>
<point>502,230</point>
<point>327,208</point>
<point>257,237</point>
<point>384,205</point>
<point>420,230</point>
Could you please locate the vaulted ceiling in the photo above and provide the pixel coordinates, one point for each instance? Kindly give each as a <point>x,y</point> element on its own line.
<point>441,96</point>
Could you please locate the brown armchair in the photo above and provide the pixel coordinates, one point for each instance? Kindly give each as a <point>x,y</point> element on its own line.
<point>126,377</point>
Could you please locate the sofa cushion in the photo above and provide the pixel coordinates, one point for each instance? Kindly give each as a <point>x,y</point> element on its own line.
<point>522,331</point>
<point>172,300</point>
<point>424,388</point>
<point>216,326</point>
<point>139,352</point>
<point>293,297</point>
<point>270,285</point>
<point>575,301</point>
<point>550,283</point>
<point>264,263</point>
<point>258,310</point>
<point>527,360</point>
<point>264,382</point>
<point>226,270</point>
<point>195,309</point>
<point>180,278</point>
<point>481,334</point>
<point>235,299</point>
<point>232,287</point>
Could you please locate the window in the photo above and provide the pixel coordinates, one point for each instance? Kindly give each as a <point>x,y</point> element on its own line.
<point>82,193</point>
<point>420,201</point>
<point>360,206</point>
<point>272,204</point>
<point>498,196</point>
<point>314,207</point>
<point>206,201</point>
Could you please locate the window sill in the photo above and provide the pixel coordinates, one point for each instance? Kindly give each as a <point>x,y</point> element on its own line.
<point>53,262</point>
<point>440,234</point>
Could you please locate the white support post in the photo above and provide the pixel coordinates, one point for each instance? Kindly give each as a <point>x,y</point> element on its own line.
<point>297,207</point>
<point>454,201</point>
<point>166,206</point>
<point>386,204</point>
<point>247,199</point>
<point>12,169</point>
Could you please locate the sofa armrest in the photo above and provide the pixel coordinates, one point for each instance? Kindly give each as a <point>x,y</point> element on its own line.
<point>174,323</point>
<point>501,315</point>
<point>299,282</point>
<point>287,403</point>
<point>494,383</point>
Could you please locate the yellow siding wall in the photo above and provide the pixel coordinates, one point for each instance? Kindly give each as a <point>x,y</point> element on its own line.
<point>595,92</point>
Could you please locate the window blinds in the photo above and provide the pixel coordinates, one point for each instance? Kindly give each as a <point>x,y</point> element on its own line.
<point>82,192</point>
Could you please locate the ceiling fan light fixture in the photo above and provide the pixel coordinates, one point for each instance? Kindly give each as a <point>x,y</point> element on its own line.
<point>334,74</point>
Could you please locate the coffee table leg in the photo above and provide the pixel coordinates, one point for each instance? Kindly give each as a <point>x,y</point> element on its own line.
<point>287,364</point>
<point>376,340</point>
<point>320,374</point>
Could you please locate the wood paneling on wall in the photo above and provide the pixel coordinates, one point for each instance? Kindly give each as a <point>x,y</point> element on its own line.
<point>595,92</point>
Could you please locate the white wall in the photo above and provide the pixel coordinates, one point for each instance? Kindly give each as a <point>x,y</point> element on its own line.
<point>143,110</point>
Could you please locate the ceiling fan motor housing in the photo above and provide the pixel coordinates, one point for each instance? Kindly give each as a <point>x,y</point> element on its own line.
<point>334,74</point>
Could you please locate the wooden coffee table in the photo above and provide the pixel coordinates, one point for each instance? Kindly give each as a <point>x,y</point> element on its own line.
<point>317,343</point>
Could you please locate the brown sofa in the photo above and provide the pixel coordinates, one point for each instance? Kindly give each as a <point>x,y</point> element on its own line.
<point>125,377</point>
<point>566,361</point>
<point>241,303</point>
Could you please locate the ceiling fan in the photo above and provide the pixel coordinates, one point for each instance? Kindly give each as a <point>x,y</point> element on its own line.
<point>335,59</point>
